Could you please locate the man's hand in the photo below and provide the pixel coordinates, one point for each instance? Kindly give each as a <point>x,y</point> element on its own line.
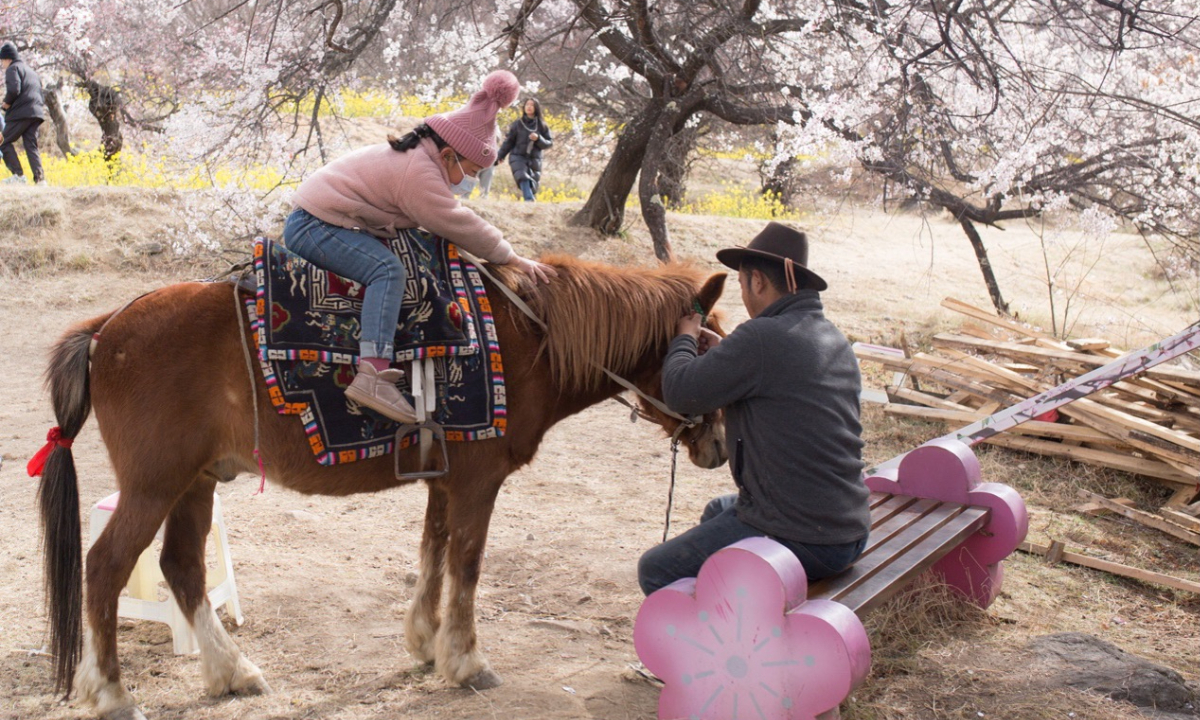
<point>690,325</point>
<point>707,341</point>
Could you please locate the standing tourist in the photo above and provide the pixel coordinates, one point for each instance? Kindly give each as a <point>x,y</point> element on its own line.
<point>527,137</point>
<point>24,110</point>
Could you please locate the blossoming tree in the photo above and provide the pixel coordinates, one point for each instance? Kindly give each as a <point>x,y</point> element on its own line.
<point>994,112</point>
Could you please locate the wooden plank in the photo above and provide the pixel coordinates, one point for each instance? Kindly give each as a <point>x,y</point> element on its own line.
<point>1023,352</point>
<point>913,561</point>
<point>1143,518</point>
<point>1088,344</point>
<point>928,400</point>
<point>950,379</point>
<point>888,357</point>
<point>1118,461</point>
<point>1174,448</point>
<point>1166,392</point>
<point>933,369</point>
<point>994,319</point>
<point>885,506</point>
<point>895,524</point>
<point>991,372</point>
<point>1136,409</point>
<point>1095,509</point>
<point>1181,519</point>
<point>1037,428</point>
<point>1138,466</point>
<point>1183,497</point>
<point>1115,568</point>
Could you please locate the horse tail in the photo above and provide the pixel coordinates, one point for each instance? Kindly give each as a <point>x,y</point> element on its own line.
<point>58,498</point>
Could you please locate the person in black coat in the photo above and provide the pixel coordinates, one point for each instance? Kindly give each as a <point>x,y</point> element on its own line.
<point>24,110</point>
<point>527,137</point>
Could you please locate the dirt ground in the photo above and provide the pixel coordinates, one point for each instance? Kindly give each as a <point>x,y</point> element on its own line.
<point>324,591</point>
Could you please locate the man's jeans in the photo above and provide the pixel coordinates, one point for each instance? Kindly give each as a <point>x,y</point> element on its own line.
<point>362,257</point>
<point>682,556</point>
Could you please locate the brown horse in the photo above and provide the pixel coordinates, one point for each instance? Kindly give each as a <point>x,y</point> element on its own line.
<point>167,378</point>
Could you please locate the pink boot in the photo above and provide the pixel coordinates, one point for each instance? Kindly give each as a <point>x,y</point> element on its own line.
<point>377,390</point>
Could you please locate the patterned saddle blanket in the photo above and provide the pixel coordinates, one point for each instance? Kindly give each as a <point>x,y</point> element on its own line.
<point>306,321</point>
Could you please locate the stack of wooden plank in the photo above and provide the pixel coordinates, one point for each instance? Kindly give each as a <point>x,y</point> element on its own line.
<point>1147,424</point>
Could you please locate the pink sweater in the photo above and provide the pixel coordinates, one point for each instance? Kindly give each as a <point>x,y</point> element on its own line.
<point>380,190</point>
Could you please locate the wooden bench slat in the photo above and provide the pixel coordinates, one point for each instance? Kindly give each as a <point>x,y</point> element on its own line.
<point>898,574</point>
<point>884,506</point>
<point>887,528</point>
<point>887,541</point>
<point>908,535</point>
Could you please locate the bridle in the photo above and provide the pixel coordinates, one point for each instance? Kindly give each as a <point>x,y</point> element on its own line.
<point>685,422</point>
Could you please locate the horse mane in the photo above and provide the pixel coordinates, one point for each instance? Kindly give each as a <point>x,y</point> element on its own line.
<point>604,316</point>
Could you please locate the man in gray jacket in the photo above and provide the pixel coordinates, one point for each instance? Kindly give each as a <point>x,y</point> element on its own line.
<point>24,110</point>
<point>789,384</point>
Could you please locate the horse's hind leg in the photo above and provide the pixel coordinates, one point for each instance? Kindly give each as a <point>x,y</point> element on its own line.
<point>421,623</point>
<point>223,666</point>
<point>458,656</point>
<point>109,564</point>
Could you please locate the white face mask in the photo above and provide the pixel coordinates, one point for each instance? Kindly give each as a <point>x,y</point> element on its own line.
<point>466,186</point>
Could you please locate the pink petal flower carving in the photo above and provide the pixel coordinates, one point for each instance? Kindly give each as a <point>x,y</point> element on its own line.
<point>947,470</point>
<point>743,641</point>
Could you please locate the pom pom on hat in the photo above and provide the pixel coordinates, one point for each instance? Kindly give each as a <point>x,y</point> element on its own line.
<point>471,130</point>
<point>502,87</point>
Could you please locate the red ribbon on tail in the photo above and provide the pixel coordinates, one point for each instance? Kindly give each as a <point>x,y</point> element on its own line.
<point>38,461</point>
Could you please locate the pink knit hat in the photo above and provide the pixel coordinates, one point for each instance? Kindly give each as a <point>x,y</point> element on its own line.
<point>471,130</point>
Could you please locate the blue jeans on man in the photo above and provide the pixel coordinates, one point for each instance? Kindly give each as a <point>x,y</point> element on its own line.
<point>362,257</point>
<point>683,555</point>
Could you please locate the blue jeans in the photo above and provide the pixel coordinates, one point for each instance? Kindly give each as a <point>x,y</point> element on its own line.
<point>363,258</point>
<point>527,190</point>
<point>682,556</point>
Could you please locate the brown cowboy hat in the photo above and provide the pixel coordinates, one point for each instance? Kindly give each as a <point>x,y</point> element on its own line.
<point>776,242</point>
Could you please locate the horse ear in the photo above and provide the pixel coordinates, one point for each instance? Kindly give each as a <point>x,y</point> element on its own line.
<point>711,292</point>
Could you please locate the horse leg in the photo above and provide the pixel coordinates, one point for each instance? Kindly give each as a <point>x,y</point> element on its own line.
<point>110,562</point>
<point>224,669</point>
<point>421,623</point>
<point>458,657</point>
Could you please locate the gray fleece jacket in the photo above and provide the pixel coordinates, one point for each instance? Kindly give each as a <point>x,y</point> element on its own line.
<point>789,383</point>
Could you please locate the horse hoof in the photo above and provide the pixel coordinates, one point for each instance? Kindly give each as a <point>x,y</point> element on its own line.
<point>258,686</point>
<point>485,679</point>
<point>248,680</point>
<point>126,713</point>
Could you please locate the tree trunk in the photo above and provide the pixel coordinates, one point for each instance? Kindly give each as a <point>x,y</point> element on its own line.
<point>676,162</point>
<point>62,133</point>
<point>649,191</point>
<point>781,182</point>
<point>985,266</point>
<point>105,103</point>
<point>605,207</point>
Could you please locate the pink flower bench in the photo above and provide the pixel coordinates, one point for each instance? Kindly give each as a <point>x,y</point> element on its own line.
<point>750,638</point>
